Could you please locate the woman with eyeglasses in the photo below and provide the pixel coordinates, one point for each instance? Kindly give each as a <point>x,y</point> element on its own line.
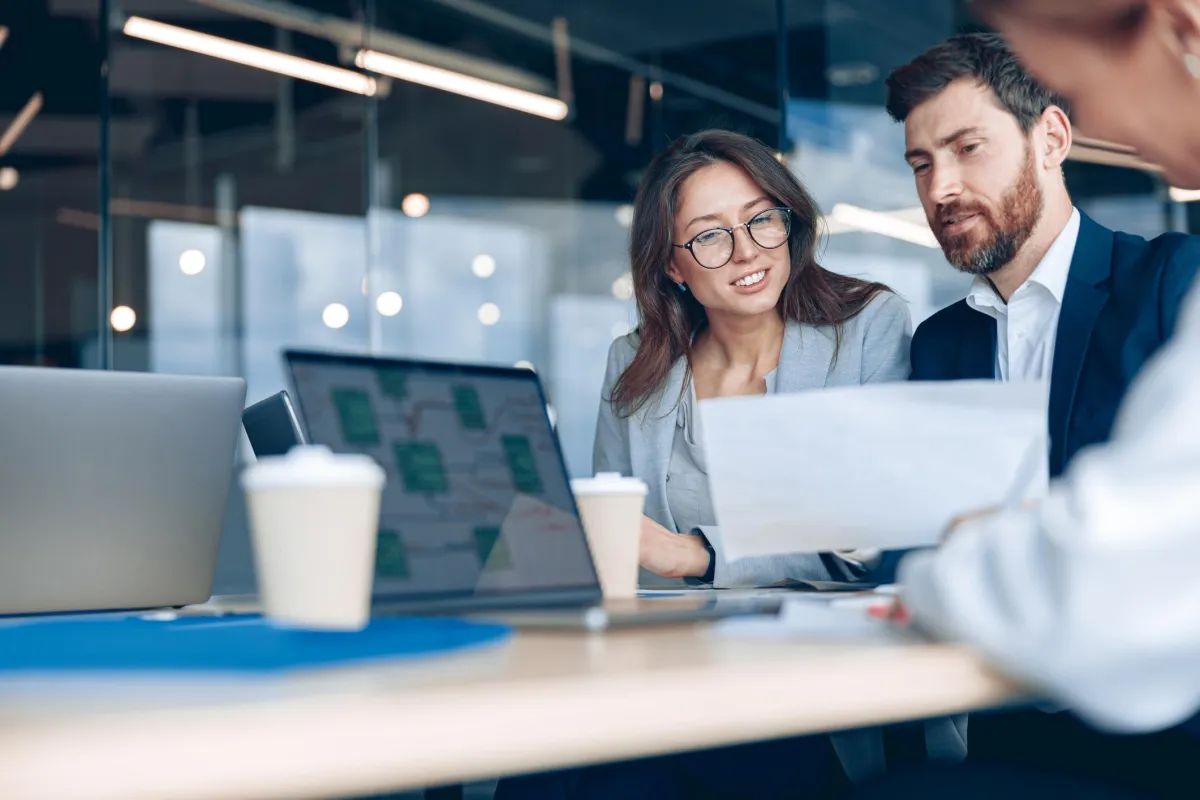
<point>731,301</point>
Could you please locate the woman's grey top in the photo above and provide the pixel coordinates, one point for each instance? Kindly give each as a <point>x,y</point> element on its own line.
<point>687,475</point>
<point>873,349</point>
<point>689,500</point>
<point>654,443</point>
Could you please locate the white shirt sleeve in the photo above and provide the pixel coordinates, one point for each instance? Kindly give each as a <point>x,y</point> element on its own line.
<point>1093,598</point>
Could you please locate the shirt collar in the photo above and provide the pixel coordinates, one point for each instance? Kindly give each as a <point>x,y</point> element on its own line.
<point>1055,266</point>
<point>1051,272</point>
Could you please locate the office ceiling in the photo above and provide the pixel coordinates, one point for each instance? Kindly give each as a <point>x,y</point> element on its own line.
<point>157,92</point>
<point>173,112</point>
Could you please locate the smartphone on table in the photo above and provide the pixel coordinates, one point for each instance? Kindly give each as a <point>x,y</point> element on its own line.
<point>272,426</point>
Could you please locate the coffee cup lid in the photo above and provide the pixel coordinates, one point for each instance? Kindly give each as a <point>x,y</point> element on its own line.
<point>313,465</point>
<point>608,483</point>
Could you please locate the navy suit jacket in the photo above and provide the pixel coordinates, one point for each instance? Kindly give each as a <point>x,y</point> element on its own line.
<point>1120,305</point>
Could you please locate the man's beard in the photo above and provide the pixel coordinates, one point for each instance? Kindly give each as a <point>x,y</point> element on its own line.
<point>1020,210</point>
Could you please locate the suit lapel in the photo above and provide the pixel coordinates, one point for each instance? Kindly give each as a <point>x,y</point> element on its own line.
<point>1085,295</point>
<point>650,446</point>
<point>804,359</point>
<point>978,352</point>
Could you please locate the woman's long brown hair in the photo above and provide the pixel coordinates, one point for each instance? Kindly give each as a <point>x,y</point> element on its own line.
<point>670,319</point>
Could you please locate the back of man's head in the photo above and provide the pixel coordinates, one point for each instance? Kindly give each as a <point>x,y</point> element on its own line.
<point>982,57</point>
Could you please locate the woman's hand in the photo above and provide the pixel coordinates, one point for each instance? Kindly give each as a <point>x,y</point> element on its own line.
<point>670,554</point>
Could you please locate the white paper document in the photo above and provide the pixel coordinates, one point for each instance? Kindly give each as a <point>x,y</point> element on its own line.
<point>883,466</point>
<point>803,618</point>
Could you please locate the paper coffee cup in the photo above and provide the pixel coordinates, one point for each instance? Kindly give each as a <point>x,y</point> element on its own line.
<point>314,520</point>
<point>611,509</point>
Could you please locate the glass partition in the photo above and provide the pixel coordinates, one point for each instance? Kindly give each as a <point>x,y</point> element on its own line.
<point>448,179</point>
<point>49,156</point>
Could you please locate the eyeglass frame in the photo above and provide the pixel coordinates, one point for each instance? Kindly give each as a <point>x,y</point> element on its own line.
<point>787,213</point>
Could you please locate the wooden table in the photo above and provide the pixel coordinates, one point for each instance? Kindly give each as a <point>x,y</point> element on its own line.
<point>543,700</point>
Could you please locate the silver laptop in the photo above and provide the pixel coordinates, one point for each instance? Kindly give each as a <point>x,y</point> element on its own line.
<point>478,514</point>
<point>113,487</point>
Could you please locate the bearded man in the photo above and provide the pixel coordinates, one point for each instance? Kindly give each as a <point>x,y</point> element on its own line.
<point>1057,297</point>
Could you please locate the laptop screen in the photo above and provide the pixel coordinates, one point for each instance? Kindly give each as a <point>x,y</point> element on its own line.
<point>477,500</point>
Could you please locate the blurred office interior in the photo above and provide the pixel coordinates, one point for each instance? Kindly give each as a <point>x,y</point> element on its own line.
<point>244,211</point>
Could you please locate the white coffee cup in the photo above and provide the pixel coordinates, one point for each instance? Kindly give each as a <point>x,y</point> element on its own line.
<point>314,519</point>
<point>611,509</point>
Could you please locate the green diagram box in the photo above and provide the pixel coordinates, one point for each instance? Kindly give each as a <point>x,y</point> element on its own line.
<point>394,383</point>
<point>355,414</point>
<point>421,468</point>
<point>521,463</point>
<point>470,411</point>
<point>391,560</point>
<point>493,550</point>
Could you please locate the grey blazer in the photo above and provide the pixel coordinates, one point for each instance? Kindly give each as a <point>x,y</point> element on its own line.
<point>874,348</point>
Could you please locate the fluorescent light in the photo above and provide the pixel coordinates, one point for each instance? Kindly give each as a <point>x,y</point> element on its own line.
<point>465,85</point>
<point>251,56</point>
<point>1184,195</point>
<point>915,215</point>
<point>883,223</point>
<point>1112,154</point>
<point>20,123</point>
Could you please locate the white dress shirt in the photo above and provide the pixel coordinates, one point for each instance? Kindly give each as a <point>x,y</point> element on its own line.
<point>1093,597</point>
<point>1027,325</point>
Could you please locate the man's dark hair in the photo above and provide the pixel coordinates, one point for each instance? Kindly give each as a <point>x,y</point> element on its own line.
<point>984,57</point>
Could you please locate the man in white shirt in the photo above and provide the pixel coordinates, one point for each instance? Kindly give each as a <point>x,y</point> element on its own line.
<point>1026,325</point>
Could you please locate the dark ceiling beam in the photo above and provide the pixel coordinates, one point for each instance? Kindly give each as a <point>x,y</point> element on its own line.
<point>174,9</point>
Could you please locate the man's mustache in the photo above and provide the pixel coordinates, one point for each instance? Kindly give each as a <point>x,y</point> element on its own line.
<point>945,214</point>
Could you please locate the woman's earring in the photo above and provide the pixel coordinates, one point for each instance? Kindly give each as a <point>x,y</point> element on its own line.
<point>683,288</point>
<point>1192,62</point>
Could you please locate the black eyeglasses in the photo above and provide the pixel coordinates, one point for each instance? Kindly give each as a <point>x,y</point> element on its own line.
<point>713,248</point>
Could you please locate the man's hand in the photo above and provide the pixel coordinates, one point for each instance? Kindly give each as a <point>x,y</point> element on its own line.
<point>669,554</point>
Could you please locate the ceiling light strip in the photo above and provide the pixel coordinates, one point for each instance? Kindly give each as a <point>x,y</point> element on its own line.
<point>1184,195</point>
<point>465,85</point>
<point>1098,151</point>
<point>251,56</point>
<point>882,223</point>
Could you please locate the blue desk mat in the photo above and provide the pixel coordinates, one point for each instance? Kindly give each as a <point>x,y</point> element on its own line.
<point>239,643</point>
